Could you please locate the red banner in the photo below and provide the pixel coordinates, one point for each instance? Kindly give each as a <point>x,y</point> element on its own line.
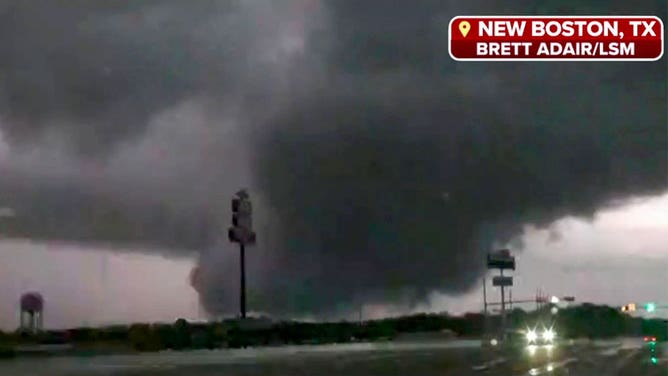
<point>546,38</point>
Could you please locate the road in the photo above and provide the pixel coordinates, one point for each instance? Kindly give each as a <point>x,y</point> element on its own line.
<point>624,357</point>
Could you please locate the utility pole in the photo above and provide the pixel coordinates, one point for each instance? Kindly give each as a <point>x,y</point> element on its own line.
<point>510,299</point>
<point>242,232</point>
<point>541,300</point>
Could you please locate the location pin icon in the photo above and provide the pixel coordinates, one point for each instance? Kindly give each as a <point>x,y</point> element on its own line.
<point>464,28</point>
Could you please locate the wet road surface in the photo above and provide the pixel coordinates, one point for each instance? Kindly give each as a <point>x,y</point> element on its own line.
<point>628,357</point>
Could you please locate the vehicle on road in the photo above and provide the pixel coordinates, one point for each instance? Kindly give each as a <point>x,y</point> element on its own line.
<point>529,339</point>
<point>546,336</point>
<point>538,335</point>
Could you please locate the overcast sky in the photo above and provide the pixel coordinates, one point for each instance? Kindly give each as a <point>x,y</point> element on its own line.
<point>381,171</point>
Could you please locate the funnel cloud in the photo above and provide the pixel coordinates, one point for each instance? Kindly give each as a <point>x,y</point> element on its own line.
<point>381,170</point>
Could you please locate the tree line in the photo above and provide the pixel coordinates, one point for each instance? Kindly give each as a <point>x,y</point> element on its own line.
<point>586,320</point>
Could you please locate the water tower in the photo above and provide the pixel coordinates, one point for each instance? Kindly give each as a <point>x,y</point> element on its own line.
<point>32,312</point>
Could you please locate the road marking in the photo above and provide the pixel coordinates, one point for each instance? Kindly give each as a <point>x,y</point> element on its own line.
<point>489,364</point>
<point>610,352</point>
<point>132,366</point>
<point>626,359</point>
<point>550,367</point>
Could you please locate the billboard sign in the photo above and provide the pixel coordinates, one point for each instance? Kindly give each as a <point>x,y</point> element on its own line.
<point>501,260</point>
<point>502,281</point>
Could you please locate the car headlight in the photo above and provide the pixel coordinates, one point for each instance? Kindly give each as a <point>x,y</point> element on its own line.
<point>531,336</point>
<point>548,335</point>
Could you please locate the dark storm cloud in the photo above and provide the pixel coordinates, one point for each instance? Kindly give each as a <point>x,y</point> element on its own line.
<point>357,172</point>
<point>383,170</point>
<point>104,67</point>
